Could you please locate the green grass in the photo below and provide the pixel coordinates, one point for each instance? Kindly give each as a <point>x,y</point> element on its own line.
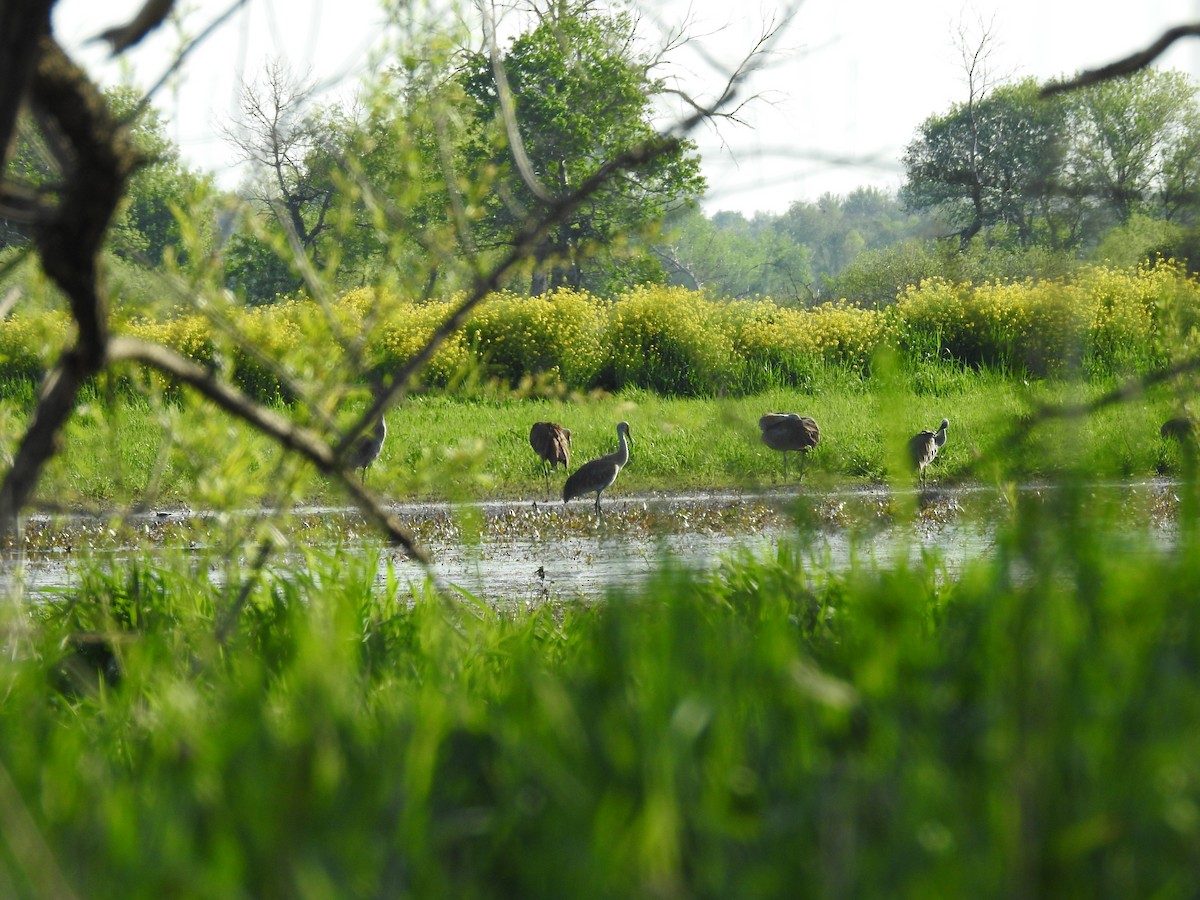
<point>441,447</point>
<point>1027,726</point>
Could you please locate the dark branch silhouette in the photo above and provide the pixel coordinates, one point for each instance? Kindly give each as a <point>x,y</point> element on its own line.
<point>1126,66</point>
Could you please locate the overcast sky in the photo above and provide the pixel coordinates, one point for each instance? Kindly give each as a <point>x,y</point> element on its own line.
<point>849,82</point>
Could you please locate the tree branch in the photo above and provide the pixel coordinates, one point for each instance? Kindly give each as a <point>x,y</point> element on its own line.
<point>286,433</point>
<point>1126,66</point>
<point>149,17</point>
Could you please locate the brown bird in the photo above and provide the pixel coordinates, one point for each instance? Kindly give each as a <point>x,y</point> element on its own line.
<point>789,431</point>
<point>552,443</point>
<point>366,448</point>
<point>1180,428</point>
<point>598,474</point>
<point>923,447</point>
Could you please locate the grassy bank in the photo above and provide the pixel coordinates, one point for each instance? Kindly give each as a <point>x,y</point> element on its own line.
<point>1027,728</point>
<point>125,450</point>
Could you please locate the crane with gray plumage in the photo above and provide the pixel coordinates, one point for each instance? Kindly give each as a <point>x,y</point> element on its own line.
<point>923,447</point>
<point>599,474</point>
<point>366,448</point>
<point>790,431</point>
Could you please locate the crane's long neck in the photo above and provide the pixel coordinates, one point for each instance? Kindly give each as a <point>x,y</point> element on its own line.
<point>940,437</point>
<point>622,454</point>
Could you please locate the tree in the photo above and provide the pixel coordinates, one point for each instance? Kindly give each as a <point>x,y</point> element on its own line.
<point>987,162</point>
<point>581,94</point>
<point>1133,145</point>
<point>278,135</point>
<point>146,223</point>
<point>730,256</point>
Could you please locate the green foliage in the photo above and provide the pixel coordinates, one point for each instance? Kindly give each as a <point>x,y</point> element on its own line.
<point>581,95</point>
<point>729,256</point>
<point>1023,725</point>
<point>1060,172</point>
<point>1134,145</point>
<point>260,271</point>
<point>988,161</point>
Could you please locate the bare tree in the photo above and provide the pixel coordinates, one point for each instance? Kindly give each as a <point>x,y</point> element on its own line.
<point>975,47</point>
<point>276,135</point>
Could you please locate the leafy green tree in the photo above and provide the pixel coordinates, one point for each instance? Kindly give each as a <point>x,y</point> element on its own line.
<point>146,222</point>
<point>405,192</point>
<point>987,162</point>
<point>1134,145</point>
<point>581,94</point>
<point>730,256</point>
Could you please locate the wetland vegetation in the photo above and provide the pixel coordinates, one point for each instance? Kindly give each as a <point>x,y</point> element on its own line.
<point>255,674</point>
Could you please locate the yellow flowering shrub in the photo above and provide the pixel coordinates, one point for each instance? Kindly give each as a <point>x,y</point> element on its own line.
<point>675,340</point>
<point>790,342</point>
<point>1100,318</point>
<point>669,339</point>
<point>558,334</point>
<point>28,344</point>
<point>408,328</point>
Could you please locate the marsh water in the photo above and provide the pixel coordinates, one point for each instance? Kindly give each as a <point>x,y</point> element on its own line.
<point>529,552</point>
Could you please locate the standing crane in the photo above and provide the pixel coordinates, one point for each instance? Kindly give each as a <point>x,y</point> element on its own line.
<point>552,443</point>
<point>366,448</point>
<point>923,447</point>
<point>789,431</point>
<point>598,474</point>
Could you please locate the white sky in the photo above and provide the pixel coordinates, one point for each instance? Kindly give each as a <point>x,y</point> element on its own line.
<point>851,79</point>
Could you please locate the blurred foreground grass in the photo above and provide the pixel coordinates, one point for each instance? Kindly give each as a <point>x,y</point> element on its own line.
<point>1028,725</point>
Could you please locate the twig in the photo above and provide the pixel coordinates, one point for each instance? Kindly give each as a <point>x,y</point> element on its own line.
<point>1126,66</point>
<point>287,434</point>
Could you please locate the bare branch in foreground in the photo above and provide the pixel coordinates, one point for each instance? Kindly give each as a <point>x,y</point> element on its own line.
<point>149,17</point>
<point>1130,389</point>
<point>1126,66</point>
<point>287,434</point>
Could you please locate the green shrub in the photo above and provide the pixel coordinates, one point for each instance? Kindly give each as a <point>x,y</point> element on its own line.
<point>668,339</point>
<point>557,335</point>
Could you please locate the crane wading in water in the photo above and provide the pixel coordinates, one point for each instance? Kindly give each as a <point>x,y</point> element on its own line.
<point>552,443</point>
<point>598,474</point>
<point>789,431</point>
<point>923,447</point>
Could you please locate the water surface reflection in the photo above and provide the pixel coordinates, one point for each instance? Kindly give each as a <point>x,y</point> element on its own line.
<point>517,552</point>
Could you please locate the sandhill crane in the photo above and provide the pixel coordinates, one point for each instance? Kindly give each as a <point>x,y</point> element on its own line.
<point>552,443</point>
<point>367,445</point>
<point>366,449</point>
<point>598,474</point>
<point>1180,428</point>
<point>923,447</point>
<point>789,431</point>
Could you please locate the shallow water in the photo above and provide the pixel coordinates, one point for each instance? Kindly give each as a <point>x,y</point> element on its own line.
<point>529,552</point>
